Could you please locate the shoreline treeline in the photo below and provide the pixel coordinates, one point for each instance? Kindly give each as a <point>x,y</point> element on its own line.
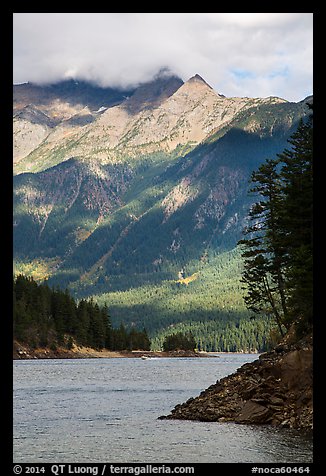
<point>44,317</point>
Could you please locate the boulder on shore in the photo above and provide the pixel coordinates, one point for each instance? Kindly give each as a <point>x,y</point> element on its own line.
<point>274,389</point>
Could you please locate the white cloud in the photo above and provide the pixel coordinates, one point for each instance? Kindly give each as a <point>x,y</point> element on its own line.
<point>272,50</point>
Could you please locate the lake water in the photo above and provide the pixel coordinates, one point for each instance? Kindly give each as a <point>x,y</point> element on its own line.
<point>106,410</point>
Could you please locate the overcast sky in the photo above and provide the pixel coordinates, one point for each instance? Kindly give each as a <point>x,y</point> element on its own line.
<point>238,54</point>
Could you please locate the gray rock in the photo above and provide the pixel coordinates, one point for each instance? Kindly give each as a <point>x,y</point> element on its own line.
<point>253,412</point>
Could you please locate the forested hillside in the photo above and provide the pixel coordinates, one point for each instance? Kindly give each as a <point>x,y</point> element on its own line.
<point>207,301</point>
<point>208,304</point>
<point>45,317</point>
<point>143,189</point>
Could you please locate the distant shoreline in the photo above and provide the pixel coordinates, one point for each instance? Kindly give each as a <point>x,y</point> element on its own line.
<point>24,352</point>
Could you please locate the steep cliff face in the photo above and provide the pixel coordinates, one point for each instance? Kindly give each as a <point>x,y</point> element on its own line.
<point>275,389</point>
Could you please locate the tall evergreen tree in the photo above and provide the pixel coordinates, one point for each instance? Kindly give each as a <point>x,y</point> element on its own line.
<point>82,331</point>
<point>278,249</point>
<point>264,251</point>
<point>297,220</point>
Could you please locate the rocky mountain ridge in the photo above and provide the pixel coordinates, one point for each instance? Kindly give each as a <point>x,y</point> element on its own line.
<point>161,115</point>
<point>59,104</point>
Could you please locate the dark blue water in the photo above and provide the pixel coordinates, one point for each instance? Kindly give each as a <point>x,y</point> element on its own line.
<point>99,410</point>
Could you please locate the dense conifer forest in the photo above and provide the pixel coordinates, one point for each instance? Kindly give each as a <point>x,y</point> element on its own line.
<point>51,317</point>
<point>45,316</point>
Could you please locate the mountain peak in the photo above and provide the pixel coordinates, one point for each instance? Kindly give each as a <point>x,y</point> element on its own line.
<point>198,79</point>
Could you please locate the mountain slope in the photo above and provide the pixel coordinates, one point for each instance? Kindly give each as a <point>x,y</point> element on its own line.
<point>144,192</point>
<point>38,110</point>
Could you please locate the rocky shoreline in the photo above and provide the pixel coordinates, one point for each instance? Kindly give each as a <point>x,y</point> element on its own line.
<point>275,389</point>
